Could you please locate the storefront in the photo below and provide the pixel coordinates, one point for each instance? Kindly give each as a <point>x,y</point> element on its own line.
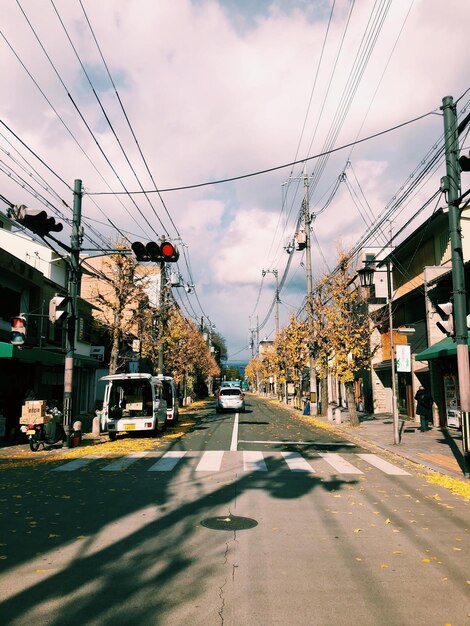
<point>442,359</point>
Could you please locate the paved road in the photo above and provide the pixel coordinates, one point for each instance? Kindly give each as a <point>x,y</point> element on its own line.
<point>256,518</point>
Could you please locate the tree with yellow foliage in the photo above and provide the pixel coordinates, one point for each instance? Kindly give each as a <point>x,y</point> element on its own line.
<point>345,331</point>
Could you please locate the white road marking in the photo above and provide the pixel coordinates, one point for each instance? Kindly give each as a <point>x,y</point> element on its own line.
<point>234,442</point>
<point>71,466</point>
<point>299,443</point>
<point>339,464</point>
<point>254,461</point>
<point>383,465</point>
<point>121,464</point>
<point>297,463</point>
<point>210,461</point>
<point>167,462</point>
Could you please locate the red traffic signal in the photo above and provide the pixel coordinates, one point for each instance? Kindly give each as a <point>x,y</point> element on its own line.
<point>152,251</point>
<point>169,252</point>
<point>36,220</point>
<point>18,330</point>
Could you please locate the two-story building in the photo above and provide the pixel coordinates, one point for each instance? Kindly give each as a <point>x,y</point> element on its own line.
<point>30,275</point>
<point>418,272</point>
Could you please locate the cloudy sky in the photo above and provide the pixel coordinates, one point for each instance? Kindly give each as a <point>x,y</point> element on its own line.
<point>211,102</point>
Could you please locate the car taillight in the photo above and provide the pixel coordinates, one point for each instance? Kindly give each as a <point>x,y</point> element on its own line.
<point>241,396</point>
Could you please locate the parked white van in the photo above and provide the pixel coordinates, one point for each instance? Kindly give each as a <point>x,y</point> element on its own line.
<point>170,393</point>
<point>134,403</point>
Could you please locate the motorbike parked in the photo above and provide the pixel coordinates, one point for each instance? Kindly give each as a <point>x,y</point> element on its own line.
<point>47,433</point>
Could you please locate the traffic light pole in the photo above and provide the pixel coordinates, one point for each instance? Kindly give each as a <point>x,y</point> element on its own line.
<point>452,186</point>
<point>161,348</point>
<point>73,287</point>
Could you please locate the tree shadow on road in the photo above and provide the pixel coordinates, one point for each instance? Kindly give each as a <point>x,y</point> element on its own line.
<point>127,540</point>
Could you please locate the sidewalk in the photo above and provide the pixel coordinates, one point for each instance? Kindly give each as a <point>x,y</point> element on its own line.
<point>439,449</point>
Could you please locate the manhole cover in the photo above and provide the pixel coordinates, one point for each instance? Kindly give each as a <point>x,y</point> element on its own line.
<point>229,522</point>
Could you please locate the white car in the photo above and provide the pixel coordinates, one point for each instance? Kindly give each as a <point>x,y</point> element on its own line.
<point>230,398</point>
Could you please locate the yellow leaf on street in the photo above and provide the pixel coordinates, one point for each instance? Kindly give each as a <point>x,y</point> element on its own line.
<point>52,536</point>
<point>81,537</point>
<point>396,552</point>
<point>357,530</point>
<point>383,566</point>
<point>387,521</point>
<point>425,561</point>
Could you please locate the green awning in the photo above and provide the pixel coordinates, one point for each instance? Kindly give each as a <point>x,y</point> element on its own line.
<point>446,347</point>
<point>31,355</point>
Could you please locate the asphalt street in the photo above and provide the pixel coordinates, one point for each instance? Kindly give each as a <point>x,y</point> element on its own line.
<point>251,518</point>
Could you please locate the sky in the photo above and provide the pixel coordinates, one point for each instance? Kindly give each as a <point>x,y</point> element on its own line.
<point>223,112</point>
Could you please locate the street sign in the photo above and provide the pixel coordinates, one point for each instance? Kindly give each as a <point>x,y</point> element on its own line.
<point>403,356</point>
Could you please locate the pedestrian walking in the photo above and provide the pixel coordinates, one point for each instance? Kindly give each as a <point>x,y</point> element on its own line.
<point>424,403</point>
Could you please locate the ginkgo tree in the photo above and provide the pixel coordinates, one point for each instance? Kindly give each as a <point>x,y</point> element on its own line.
<point>285,359</point>
<point>186,354</point>
<point>344,334</point>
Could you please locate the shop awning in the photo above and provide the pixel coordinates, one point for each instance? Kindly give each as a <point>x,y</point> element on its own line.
<point>446,347</point>
<point>31,355</point>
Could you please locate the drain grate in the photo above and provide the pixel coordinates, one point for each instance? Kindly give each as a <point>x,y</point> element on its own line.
<point>229,522</point>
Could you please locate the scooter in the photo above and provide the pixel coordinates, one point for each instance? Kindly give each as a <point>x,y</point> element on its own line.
<point>45,434</point>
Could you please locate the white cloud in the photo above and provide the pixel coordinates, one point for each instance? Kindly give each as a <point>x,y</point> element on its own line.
<point>215,91</point>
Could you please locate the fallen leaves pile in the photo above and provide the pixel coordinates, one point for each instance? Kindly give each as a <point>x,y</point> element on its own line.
<point>124,444</point>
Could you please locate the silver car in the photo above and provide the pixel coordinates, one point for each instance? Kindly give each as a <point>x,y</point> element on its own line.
<point>230,398</point>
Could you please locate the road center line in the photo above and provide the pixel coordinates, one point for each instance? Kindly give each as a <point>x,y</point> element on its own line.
<point>234,443</point>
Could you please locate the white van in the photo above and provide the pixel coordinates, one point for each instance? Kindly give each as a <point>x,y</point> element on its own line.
<point>170,393</point>
<point>133,403</point>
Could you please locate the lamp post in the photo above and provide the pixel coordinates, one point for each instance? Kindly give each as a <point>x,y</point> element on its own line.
<point>366,276</point>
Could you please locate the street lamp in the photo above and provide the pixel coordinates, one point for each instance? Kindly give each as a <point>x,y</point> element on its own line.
<point>366,276</point>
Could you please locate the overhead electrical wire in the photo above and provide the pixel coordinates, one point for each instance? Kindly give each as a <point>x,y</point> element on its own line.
<point>86,124</point>
<point>270,169</point>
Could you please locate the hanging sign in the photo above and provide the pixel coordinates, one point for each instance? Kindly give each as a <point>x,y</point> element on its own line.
<point>403,356</point>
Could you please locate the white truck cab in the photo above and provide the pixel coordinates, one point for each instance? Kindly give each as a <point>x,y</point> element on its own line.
<point>133,403</point>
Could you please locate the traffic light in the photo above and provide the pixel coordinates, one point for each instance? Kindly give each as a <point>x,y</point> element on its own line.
<point>446,324</point>
<point>464,162</point>
<point>57,308</point>
<point>18,330</point>
<point>36,220</point>
<point>165,251</point>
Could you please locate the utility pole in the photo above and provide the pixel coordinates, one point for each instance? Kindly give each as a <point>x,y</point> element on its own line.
<point>396,429</point>
<point>73,288</point>
<point>162,305</point>
<point>276,308</point>
<point>451,184</point>
<point>308,270</point>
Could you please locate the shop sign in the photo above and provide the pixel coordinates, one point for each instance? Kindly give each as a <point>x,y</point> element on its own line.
<point>403,357</point>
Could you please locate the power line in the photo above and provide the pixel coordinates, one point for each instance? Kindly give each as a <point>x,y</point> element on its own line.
<point>270,169</point>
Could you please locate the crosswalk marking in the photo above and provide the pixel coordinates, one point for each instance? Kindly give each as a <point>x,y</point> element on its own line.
<point>383,465</point>
<point>254,461</point>
<point>211,461</point>
<point>167,462</point>
<point>338,463</point>
<point>124,463</point>
<point>71,466</point>
<point>297,463</point>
